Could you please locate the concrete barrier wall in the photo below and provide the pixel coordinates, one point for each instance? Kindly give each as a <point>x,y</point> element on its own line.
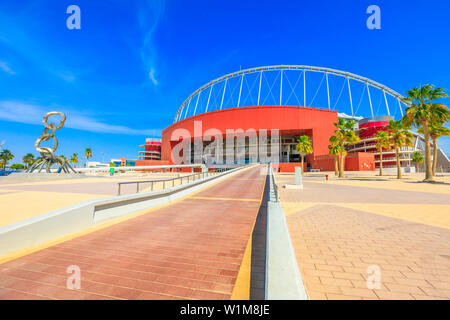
<point>283,279</point>
<point>62,222</point>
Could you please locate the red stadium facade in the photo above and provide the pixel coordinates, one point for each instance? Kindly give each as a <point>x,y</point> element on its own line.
<point>290,122</point>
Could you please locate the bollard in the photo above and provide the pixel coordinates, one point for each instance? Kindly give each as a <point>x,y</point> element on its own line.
<point>298,176</point>
<point>326,177</point>
<point>298,180</point>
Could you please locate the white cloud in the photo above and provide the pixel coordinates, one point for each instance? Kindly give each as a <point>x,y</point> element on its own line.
<point>33,114</point>
<point>65,76</point>
<point>4,66</point>
<point>149,16</point>
<point>152,76</point>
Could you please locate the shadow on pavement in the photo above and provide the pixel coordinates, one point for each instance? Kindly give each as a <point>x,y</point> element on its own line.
<point>258,266</point>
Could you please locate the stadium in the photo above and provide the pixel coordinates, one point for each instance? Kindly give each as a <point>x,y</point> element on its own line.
<point>231,119</point>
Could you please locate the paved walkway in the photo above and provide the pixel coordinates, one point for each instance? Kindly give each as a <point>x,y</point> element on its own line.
<point>191,249</point>
<point>340,230</point>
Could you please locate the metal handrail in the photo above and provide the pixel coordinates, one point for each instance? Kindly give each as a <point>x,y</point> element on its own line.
<point>188,177</point>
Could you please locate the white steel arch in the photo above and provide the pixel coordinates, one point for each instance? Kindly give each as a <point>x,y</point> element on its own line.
<point>280,68</point>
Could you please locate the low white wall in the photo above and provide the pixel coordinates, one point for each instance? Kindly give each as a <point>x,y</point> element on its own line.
<point>402,169</point>
<point>283,278</point>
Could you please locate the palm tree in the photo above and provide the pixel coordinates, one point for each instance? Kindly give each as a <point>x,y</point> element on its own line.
<point>416,159</point>
<point>344,135</point>
<point>5,156</point>
<point>436,130</point>
<point>87,155</point>
<point>28,159</point>
<point>421,112</point>
<point>399,136</point>
<point>304,146</point>
<point>334,150</point>
<point>74,158</point>
<point>382,139</point>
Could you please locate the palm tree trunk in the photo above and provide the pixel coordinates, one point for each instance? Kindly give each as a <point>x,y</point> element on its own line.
<point>434,156</point>
<point>302,163</point>
<point>381,162</point>
<point>428,170</point>
<point>399,169</point>
<point>341,164</point>
<point>336,170</point>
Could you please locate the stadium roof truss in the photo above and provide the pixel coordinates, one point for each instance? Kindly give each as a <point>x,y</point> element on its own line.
<point>216,94</point>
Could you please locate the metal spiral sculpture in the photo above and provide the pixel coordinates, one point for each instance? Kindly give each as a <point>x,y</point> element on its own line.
<point>48,157</point>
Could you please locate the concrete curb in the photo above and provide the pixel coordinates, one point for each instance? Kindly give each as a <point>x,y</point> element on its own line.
<point>62,222</point>
<point>283,279</point>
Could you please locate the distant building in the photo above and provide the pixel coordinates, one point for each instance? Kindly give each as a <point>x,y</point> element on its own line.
<point>366,131</point>
<point>116,162</point>
<point>152,149</point>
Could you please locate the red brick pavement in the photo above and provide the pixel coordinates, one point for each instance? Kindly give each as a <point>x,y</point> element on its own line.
<point>334,247</point>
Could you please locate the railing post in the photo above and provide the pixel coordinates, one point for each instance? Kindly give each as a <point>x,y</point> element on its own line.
<point>152,186</point>
<point>164,184</point>
<point>137,187</point>
<point>118,189</point>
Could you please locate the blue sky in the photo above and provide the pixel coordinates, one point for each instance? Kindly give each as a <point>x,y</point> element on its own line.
<point>122,77</point>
